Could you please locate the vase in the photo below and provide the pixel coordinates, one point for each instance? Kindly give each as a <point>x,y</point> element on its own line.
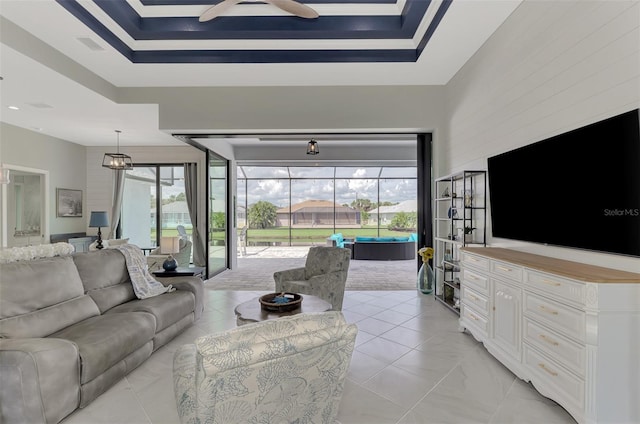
<point>425,279</point>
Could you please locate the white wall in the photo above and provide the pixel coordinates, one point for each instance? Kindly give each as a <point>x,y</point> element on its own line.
<point>243,110</point>
<point>552,67</point>
<point>65,162</point>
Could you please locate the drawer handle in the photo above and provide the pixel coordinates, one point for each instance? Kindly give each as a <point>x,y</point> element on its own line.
<point>473,317</point>
<point>474,297</point>
<point>473,259</point>
<point>544,367</point>
<point>549,311</point>
<point>548,340</point>
<point>552,283</point>
<point>503,268</point>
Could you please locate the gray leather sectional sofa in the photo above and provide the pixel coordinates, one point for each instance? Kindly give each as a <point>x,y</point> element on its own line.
<point>71,327</point>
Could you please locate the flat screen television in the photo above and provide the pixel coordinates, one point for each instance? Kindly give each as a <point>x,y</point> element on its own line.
<point>580,189</point>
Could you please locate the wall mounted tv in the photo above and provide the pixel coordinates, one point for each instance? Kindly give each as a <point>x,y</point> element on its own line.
<point>580,189</point>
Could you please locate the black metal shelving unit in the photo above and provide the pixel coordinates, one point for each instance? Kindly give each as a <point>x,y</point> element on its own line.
<point>460,202</point>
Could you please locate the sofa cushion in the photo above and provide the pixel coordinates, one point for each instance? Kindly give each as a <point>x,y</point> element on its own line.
<point>105,340</point>
<point>45,321</point>
<point>362,238</point>
<point>31,285</point>
<point>105,277</point>
<point>168,308</point>
<point>40,297</point>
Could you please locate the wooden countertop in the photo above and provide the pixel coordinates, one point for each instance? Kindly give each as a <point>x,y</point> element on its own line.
<point>569,269</point>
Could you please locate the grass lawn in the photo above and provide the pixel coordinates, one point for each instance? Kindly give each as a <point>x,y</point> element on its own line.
<point>298,235</point>
<point>281,234</point>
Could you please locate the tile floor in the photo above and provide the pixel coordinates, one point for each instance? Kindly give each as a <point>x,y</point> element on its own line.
<point>410,365</point>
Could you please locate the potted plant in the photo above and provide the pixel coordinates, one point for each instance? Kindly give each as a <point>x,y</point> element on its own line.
<point>468,234</point>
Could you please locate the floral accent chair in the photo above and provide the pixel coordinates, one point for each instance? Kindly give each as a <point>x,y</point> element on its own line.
<point>324,275</point>
<point>286,370</point>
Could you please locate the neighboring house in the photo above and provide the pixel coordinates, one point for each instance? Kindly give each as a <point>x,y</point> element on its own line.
<point>173,214</point>
<point>312,213</point>
<point>385,214</point>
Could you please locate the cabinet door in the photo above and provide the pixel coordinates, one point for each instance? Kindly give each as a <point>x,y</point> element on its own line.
<point>507,311</point>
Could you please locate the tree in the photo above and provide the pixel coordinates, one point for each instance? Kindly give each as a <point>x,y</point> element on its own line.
<point>262,214</point>
<point>362,205</point>
<point>218,220</point>
<point>404,221</point>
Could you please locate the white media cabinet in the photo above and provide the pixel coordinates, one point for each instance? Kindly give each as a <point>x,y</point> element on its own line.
<point>571,329</point>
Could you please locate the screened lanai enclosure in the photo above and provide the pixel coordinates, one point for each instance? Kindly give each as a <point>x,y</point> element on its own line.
<point>303,205</point>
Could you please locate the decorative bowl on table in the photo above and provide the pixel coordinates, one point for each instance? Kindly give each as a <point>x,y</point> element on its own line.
<point>280,302</point>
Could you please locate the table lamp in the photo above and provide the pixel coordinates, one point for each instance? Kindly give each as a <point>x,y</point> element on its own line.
<point>99,219</point>
<point>170,245</point>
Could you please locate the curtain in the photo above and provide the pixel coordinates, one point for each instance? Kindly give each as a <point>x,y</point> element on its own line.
<point>118,190</point>
<point>191,189</point>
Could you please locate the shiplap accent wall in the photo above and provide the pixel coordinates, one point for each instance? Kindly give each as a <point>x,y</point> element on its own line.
<point>552,67</point>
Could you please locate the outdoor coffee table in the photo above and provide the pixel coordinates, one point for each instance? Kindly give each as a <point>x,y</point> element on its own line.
<point>251,311</point>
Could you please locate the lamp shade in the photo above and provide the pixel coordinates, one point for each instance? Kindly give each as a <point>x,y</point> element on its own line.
<point>99,219</point>
<point>169,245</point>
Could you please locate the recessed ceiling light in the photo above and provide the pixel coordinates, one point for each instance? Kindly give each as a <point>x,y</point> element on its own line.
<point>14,108</point>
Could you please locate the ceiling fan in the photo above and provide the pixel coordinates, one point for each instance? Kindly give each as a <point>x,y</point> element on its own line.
<point>291,6</point>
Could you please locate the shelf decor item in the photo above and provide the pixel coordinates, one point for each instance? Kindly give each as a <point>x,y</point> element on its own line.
<point>468,198</point>
<point>425,274</point>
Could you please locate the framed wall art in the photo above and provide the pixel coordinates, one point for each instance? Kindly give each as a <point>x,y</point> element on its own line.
<point>68,203</point>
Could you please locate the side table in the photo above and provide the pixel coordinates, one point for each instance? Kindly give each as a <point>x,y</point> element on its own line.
<point>190,271</point>
<point>251,311</point>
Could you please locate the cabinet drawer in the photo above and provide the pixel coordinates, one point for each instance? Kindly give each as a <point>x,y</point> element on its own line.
<point>476,280</point>
<point>474,320</point>
<point>570,354</point>
<point>475,261</point>
<point>556,286</point>
<point>479,302</point>
<point>567,388</point>
<point>564,319</point>
<point>512,272</point>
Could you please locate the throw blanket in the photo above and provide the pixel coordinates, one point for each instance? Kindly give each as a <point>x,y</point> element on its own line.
<point>144,285</point>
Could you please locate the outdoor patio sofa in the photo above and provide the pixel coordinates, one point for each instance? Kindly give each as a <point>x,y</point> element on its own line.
<point>71,327</point>
<point>377,248</point>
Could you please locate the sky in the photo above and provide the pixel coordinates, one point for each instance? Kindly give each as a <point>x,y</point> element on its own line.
<point>310,183</point>
<point>356,186</point>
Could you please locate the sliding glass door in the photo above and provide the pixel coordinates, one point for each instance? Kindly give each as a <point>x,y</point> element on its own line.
<point>154,205</point>
<point>218,217</point>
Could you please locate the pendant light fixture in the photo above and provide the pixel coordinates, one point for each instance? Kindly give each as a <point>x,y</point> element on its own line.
<point>312,148</point>
<point>117,160</point>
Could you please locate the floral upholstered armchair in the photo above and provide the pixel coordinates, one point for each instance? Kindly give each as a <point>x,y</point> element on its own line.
<point>324,275</point>
<point>286,370</point>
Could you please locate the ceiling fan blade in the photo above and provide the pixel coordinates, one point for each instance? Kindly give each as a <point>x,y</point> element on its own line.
<point>295,8</point>
<point>217,10</point>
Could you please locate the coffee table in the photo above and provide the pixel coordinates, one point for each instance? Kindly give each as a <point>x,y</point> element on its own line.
<point>251,311</point>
